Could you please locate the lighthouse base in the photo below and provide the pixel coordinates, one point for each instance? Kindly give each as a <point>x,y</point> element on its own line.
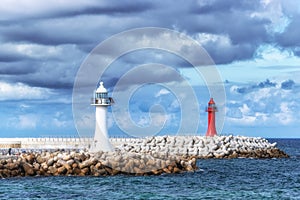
<point>100,146</point>
<point>211,134</point>
<point>101,140</point>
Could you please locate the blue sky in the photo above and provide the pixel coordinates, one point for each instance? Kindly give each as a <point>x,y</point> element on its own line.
<point>255,46</point>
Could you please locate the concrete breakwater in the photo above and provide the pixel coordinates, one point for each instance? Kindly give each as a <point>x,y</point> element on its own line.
<point>198,146</point>
<point>206,147</point>
<point>74,163</point>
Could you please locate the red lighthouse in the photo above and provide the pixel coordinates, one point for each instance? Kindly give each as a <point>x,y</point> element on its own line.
<point>211,109</point>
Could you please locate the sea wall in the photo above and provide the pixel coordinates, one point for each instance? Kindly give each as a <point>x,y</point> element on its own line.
<point>205,147</point>
<point>45,143</point>
<point>55,143</point>
<point>81,163</point>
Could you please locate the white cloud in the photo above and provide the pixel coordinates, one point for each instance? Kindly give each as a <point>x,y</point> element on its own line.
<point>245,109</point>
<point>260,94</point>
<point>271,106</point>
<point>59,123</point>
<point>26,121</point>
<point>38,51</point>
<point>233,89</point>
<point>175,104</point>
<point>143,121</point>
<point>245,120</point>
<point>268,52</point>
<point>162,92</point>
<point>18,91</point>
<point>205,38</point>
<point>286,116</point>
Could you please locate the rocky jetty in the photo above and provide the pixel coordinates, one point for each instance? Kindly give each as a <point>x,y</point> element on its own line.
<point>72,163</point>
<point>206,147</point>
<point>143,156</point>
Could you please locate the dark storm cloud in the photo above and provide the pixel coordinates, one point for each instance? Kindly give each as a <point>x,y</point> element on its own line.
<point>215,6</point>
<point>248,30</point>
<point>53,75</point>
<point>60,83</point>
<point>36,80</point>
<point>7,57</point>
<point>153,73</point>
<point>136,58</point>
<point>17,68</point>
<point>85,25</point>
<point>264,84</point>
<point>290,37</point>
<point>113,8</point>
<point>287,85</point>
<point>41,33</point>
<point>68,25</point>
<point>142,56</point>
<point>231,18</point>
<point>66,9</point>
<point>226,54</point>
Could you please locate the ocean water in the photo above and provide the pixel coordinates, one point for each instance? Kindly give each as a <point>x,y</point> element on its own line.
<point>216,179</point>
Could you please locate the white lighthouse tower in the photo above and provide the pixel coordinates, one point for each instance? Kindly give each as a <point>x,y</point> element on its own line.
<point>101,101</point>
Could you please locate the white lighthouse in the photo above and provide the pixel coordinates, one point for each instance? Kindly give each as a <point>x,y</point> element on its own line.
<point>101,101</point>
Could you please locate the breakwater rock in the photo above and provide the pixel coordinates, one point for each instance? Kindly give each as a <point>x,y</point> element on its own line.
<point>206,147</point>
<point>72,163</point>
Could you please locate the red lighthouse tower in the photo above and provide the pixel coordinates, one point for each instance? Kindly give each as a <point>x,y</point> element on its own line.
<point>211,109</point>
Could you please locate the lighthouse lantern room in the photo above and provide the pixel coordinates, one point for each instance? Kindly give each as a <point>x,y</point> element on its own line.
<point>101,101</point>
